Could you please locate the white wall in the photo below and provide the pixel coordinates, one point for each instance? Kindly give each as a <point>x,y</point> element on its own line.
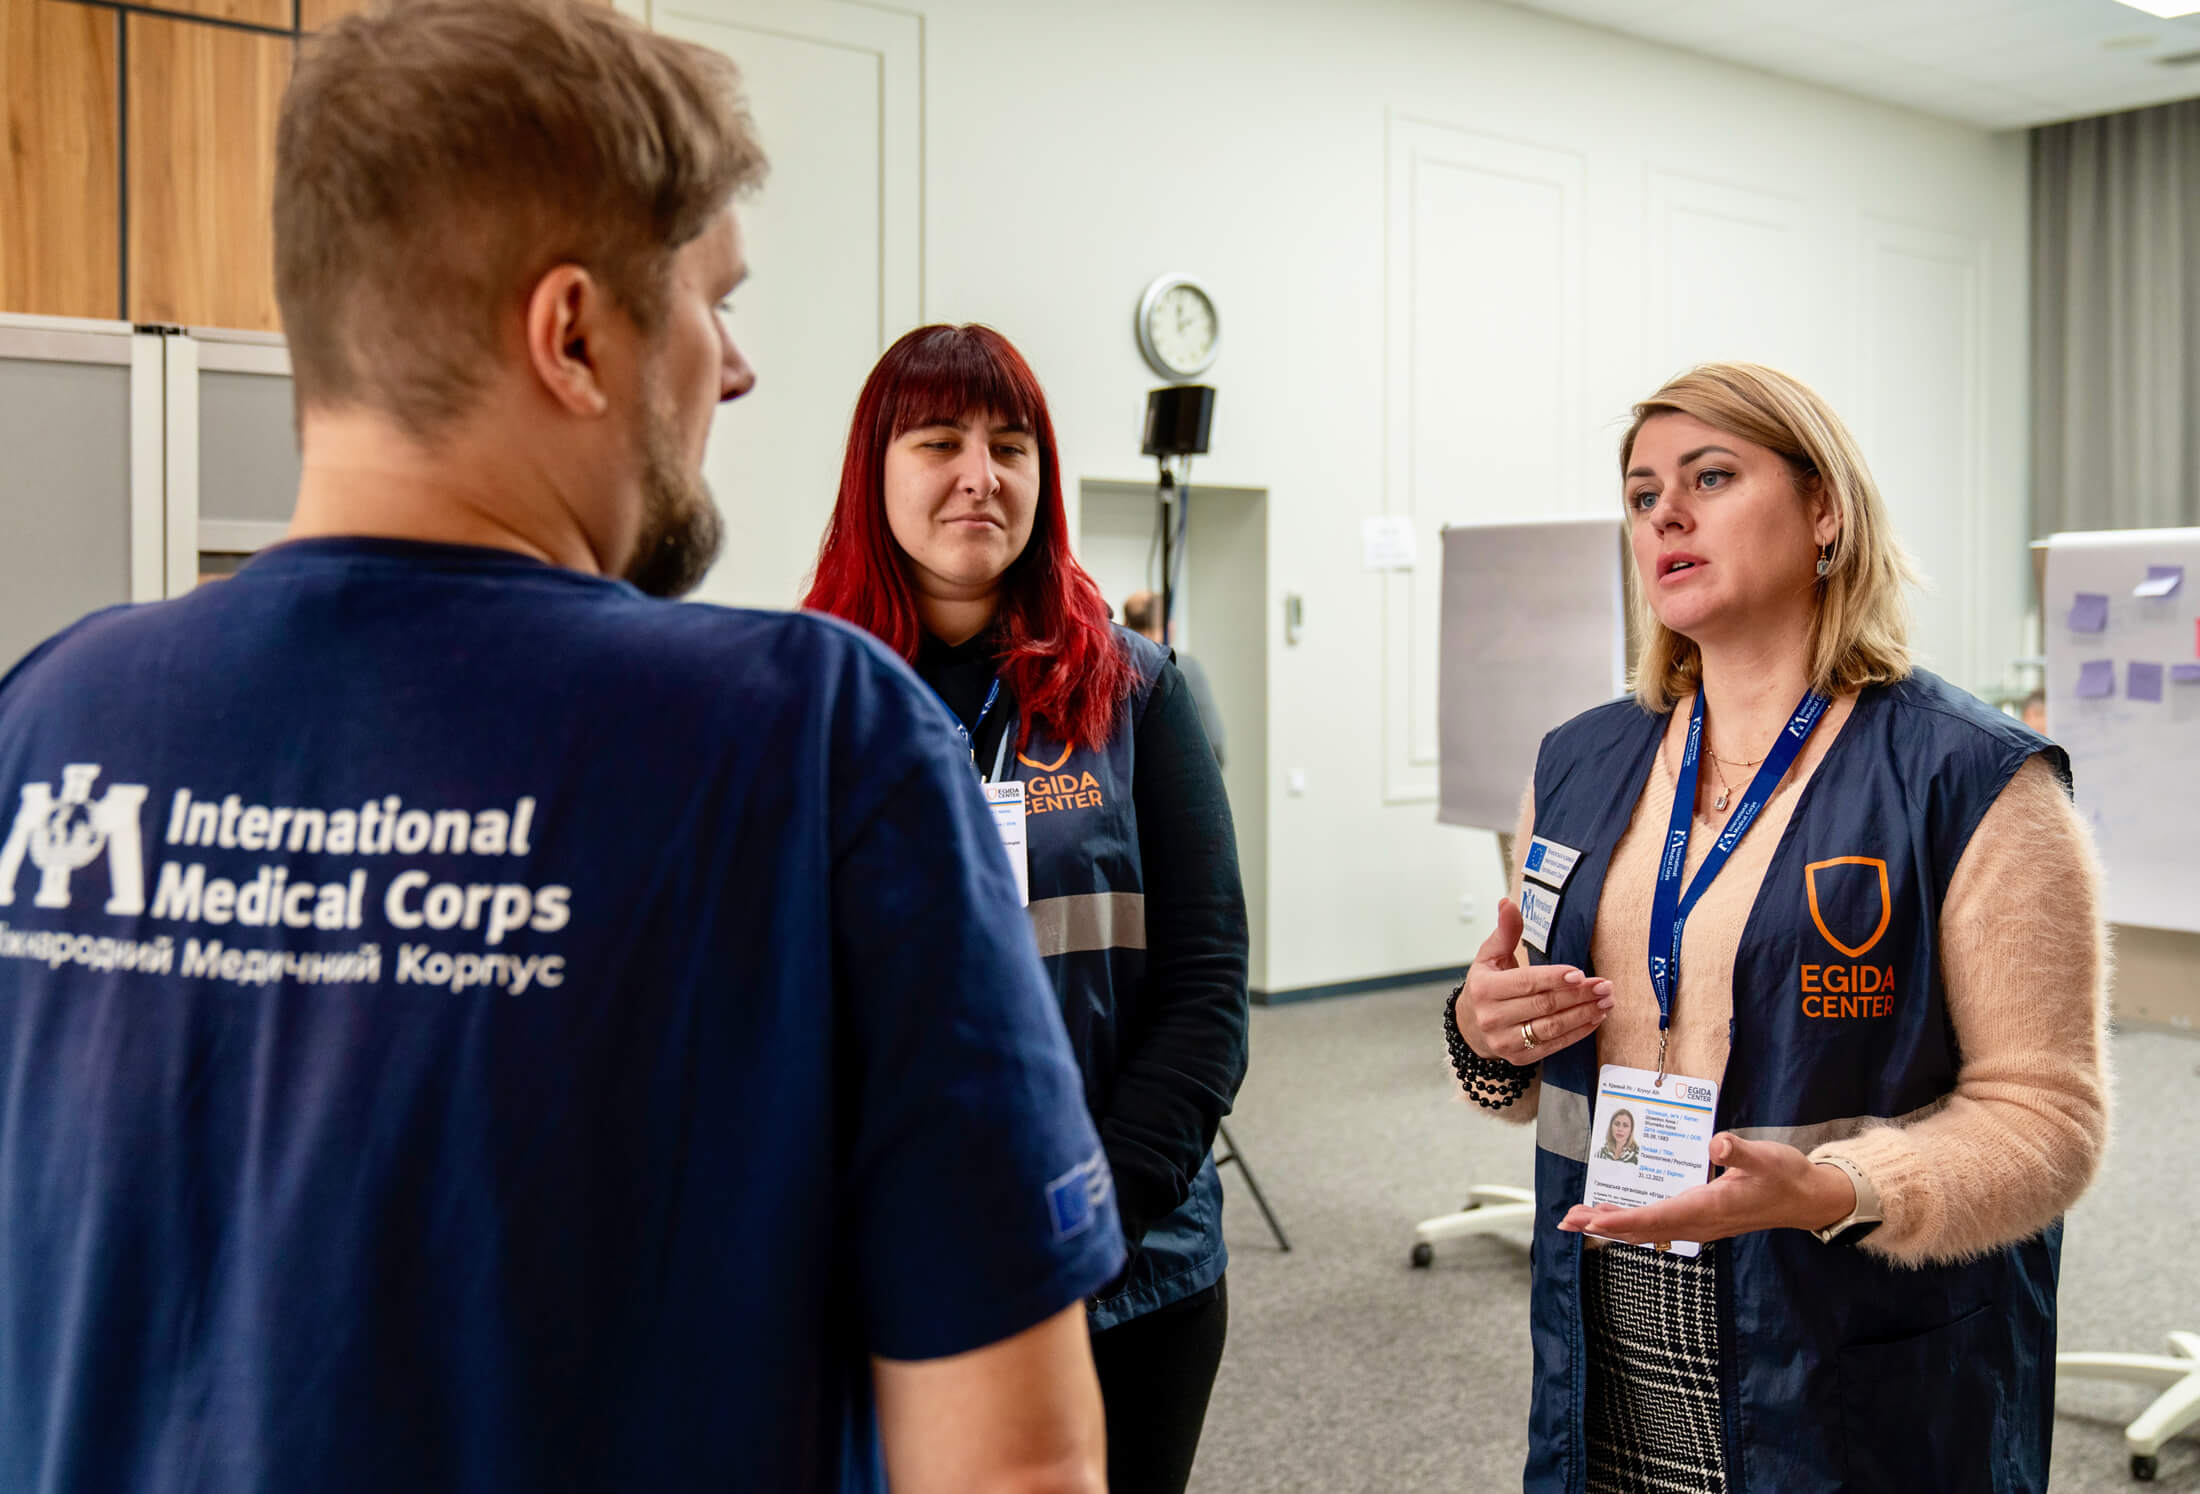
<point>1118,542</point>
<point>1450,242</point>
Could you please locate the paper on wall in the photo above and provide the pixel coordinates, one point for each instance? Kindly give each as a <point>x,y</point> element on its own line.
<point>1387,543</point>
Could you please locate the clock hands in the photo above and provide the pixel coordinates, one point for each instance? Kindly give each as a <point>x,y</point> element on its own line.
<point>1179,327</point>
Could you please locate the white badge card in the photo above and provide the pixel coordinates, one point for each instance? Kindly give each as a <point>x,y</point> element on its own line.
<point>1538,906</point>
<point>1006,800</point>
<point>1649,1141</point>
<point>1549,862</point>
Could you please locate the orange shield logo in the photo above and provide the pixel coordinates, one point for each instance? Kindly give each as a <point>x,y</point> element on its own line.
<point>1047,767</point>
<point>1886,902</point>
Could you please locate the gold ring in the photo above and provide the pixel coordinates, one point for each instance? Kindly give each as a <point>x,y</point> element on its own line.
<point>1527,1034</point>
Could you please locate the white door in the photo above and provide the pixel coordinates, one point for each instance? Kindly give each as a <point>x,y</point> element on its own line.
<point>835,260</point>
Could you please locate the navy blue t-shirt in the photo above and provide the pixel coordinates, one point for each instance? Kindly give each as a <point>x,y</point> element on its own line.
<point>467,1025</point>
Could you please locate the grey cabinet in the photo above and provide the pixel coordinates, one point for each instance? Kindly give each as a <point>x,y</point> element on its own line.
<point>132,463</point>
<point>81,522</point>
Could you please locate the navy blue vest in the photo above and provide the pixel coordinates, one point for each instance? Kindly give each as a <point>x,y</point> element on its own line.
<point>1088,909</point>
<point>1840,1371</point>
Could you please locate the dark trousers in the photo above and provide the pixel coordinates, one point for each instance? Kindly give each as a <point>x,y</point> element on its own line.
<point>1156,1373</point>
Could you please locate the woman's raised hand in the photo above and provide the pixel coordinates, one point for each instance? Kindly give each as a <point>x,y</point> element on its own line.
<point>1506,1004</point>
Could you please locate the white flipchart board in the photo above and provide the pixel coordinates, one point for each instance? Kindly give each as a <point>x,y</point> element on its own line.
<point>2136,759</point>
<point>1534,632</point>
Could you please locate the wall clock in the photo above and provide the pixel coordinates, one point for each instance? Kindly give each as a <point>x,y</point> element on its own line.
<point>1177,328</point>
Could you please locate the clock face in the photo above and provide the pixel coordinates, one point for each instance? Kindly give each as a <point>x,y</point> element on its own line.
<point>1181,329</point>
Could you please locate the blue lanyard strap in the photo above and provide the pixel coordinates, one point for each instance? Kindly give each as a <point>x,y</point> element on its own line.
<point>968,734</point>
<point>1670,907</point>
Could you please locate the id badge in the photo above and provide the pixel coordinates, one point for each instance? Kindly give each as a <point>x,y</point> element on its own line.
<point>1006,800</point>
<point>1538,907</point>
<point>1649,1141</point>
<point>1549,862</point>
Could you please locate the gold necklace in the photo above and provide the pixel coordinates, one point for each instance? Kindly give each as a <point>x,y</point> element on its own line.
<point>1719,765</point>
<point>1718,802</point>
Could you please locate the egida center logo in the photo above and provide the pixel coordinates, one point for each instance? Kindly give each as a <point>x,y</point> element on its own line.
<point>61,834</point>
<point>1849,990</point>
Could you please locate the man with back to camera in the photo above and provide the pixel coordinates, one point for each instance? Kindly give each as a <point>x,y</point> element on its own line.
<point>465,1024</point>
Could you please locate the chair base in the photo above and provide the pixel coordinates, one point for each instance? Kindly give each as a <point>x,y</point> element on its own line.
<point>1490,1207</point>
<point>2177,1373</point>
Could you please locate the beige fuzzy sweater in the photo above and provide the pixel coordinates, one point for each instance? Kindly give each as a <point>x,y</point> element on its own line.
<point>2024,964</point>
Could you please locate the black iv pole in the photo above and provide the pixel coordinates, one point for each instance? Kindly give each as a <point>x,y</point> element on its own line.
<point>1170,495</point>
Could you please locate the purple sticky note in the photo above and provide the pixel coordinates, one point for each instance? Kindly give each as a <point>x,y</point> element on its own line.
<point>2143,681</point>
<point>2088,612</point>
<point>2161,581</point>
<point>2184,674</point>
<point>2096,679</point>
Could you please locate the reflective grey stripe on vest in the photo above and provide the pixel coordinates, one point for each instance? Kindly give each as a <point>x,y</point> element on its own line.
<point>1089,920</point>
<point>1810,1138</point>
<point>1562,1125</point>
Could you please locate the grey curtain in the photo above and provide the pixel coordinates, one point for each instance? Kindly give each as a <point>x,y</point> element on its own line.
<point>2116,321</point>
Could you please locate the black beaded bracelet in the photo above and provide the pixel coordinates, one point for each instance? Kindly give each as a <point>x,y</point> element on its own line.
<point>1491,1083</point>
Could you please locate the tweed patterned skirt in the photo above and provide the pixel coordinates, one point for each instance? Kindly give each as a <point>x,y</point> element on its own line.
<point>1653,1337</point>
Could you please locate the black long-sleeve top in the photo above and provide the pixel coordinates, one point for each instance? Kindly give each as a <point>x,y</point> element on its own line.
<point>1180,1073</point>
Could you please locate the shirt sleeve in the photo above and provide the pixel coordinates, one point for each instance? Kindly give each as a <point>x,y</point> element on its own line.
<point>2024,961</point>
<point>1203,699</point>
<point>978,1197</point>
<point>1181,1070</point>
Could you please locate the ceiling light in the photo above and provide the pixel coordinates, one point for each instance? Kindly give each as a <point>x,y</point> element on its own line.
<point>2166,9</point>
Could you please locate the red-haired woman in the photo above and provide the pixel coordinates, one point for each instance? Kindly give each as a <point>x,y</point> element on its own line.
<point>949,542</point>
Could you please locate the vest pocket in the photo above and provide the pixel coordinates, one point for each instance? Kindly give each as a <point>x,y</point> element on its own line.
<point>1925,1412</point>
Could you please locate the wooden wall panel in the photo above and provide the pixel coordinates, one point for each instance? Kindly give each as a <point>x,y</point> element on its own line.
<point>275,13</point>
<point>314,14</point>
<point>203,104</point>
<point>59,197</point>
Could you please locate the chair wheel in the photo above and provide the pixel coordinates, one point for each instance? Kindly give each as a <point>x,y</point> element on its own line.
<point>2143,1468</point>
<point>1424,1254</point>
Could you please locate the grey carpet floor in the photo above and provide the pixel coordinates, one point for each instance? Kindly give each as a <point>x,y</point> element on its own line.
<point>1347,1370</point>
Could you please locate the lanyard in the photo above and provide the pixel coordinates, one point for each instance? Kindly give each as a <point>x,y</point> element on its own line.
<point>1670,907</point>
<point>969,733</point>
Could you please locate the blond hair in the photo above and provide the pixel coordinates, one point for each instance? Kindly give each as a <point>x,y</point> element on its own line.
<point>436,157</point>
<point>1860,635</point>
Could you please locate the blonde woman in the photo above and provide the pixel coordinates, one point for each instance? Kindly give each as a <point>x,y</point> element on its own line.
<point>1619,1139</point>
<point>1855,901</point>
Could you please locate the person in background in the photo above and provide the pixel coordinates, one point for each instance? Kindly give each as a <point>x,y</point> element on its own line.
<point>949,542</point>
<point>2034,711</point>
<point>1893,972</point>
<point>1142,614</point>
<point>465,1023</point>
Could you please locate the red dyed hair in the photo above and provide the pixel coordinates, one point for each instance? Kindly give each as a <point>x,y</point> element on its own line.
<point>1057,650</point>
